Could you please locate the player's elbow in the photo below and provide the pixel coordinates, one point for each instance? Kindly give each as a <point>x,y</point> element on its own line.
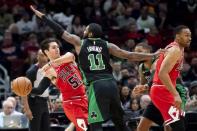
<point>71,57</point>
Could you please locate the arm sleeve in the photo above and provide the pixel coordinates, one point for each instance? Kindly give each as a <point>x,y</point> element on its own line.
<point>31,74</point>
<point>43,85</point>
<point>56,27</point>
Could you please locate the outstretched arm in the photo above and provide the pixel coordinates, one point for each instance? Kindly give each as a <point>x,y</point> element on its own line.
<point>66,58</point>
<point>27,110</point>
<point>43,85</point>
<point>134,56</point>
<point>70,38</point>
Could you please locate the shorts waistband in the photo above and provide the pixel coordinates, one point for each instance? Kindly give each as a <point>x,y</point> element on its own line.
<point>75,98</point>
<point>38,97</point>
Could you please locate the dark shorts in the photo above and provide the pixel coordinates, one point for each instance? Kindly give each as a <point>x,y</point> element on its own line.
<point>152,113</point>
<point>104,101</point>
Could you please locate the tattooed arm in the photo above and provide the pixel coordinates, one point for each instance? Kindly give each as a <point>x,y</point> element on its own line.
<point>134,56</point>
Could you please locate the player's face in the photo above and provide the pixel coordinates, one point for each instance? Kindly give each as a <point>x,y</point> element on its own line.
<point>85,33</point>
<point>54,51</point>
<point>185,37</point>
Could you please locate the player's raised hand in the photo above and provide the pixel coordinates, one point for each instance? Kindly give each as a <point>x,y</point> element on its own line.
<point>37,13</point>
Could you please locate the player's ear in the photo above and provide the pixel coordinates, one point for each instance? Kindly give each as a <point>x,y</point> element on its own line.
<point>45,52</point>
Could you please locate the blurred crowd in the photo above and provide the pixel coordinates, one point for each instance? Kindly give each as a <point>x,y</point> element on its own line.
<point>126,23</point>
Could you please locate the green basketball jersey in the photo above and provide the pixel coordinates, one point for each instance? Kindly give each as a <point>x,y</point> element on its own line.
<point>94,59</point>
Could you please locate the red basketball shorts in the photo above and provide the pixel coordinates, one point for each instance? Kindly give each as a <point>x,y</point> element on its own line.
<point>76,109</point>
<point>164,101</point>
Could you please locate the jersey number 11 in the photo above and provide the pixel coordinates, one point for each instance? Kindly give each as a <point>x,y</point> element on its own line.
<point>93,60</point>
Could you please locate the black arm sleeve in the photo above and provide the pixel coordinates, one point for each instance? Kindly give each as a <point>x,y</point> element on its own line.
<point>31,74</point>
<point>43,85</point>
<point>56,27</point>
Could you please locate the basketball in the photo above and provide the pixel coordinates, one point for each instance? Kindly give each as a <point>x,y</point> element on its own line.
<point>21,86</point>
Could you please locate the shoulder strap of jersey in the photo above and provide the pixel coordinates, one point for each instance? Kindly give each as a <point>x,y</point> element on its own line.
<point>171,45</point>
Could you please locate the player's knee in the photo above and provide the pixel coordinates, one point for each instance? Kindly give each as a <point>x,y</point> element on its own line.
<point>178,125</point>
<point>167,128</point>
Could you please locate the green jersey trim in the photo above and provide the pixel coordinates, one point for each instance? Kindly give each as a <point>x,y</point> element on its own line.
<point>94,114</point>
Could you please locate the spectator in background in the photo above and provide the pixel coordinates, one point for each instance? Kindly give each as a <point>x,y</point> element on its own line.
<point>116,71</point>
<point>17,105</point>
<point>6,18</point>
<point>154,38</point>
<point>97,12</point>
<point>191,104</point>
<point>76,27</point>
<point>9,53</point>
<point>145,21</point>
<point>192,73</point>
<point>125,19</point>
<point>115,5</point>
<point>8,110</point>
<point>64,18</point>
<point>57,107</point>
<point>125,97</point>
<point>135,108</point>
<point>25,25</point>
<point>30,48</point>
<point>129,45</point>
<point>194,40</point>
<point>136,7</point>
<point>144,102</point>
<point>133,33</point>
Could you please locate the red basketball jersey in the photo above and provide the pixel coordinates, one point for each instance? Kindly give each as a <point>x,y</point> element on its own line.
<point>174,73</point>
<point>69,81</point>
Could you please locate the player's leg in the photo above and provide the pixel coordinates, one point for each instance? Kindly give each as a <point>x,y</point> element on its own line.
<point>45,123</point>
<point>151,116</point>
<point>144,124</point>
<point>98,107</point>
<point>70,127</point>
<point>96,126</point>
<point>115,106</point>
<point>178,125</point>
<point>35,123</point>
<point>167,128</point>
<point>164,102</point>
<point>77,112</point>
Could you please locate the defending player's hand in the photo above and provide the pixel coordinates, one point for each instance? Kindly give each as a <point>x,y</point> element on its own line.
<point>158,52</point>
<point>37,13</point>
<point>138,90</point>
<point>177,101</point>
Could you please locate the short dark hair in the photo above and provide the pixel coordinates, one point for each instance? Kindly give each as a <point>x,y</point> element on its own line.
<point>96,30</point>
<point>179,28</point>
<point>45,43</point>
